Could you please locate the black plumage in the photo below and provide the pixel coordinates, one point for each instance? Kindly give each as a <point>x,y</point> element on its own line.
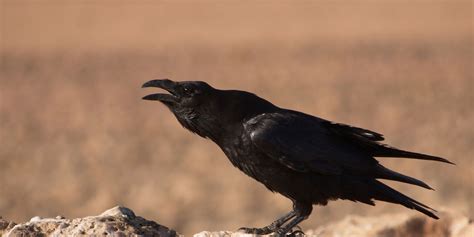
<point>307,159</point>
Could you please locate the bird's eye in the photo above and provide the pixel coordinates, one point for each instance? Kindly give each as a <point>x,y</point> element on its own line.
<point>188,90</point>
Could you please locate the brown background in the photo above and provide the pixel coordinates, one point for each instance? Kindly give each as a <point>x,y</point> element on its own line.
<point>75,138</point>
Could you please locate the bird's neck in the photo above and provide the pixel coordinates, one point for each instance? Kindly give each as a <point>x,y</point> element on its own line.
<point>224,116</point>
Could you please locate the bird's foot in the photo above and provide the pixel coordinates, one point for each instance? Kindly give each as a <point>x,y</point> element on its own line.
<point>259,231</point>
<point>294,232</point>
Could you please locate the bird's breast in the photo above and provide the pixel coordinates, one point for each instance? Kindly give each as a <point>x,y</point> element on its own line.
<point>247,158</point>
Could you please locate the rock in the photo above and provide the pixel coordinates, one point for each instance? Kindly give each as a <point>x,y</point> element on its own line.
<point>451,224</point>
<point>5,225</point>
<point>121,221</point>
<point>118,221</point>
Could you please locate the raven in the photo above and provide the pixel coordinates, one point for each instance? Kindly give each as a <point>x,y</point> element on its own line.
<point>307,159</point>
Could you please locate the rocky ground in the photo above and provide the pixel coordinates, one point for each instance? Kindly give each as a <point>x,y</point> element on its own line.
<point>118,221</point>
<point>121,221</point>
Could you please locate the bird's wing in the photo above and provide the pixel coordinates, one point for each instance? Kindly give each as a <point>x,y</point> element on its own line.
<point>353,132</point>
<point>304,143</point>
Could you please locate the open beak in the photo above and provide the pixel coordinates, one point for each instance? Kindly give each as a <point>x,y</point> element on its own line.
<point>165,84</point>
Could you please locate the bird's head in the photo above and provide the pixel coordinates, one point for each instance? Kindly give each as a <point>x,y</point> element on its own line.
<point>182,95</point>
<point>190,102</point>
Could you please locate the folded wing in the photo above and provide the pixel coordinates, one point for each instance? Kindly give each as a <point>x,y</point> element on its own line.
<point>309,144</point>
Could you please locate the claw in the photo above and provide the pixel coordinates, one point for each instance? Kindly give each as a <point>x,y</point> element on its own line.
<point>297,233</point>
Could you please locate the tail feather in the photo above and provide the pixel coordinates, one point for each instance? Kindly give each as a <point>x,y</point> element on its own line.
<point>388,194</point>
<point>384,173</point>
<point>387,151</point>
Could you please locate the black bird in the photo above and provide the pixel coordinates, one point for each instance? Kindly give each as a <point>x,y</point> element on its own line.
<point>307,159</point>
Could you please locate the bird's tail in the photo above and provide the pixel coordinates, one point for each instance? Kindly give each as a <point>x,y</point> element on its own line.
<point>384,173</point>
<point>385,193</point>
<point>387,151</point>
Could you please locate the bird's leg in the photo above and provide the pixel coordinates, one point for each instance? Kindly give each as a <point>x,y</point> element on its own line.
<point>272,227</point>
<point>302,211</point>
<point>280,221</point>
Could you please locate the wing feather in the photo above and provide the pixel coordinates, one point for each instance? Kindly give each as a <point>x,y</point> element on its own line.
<point>304,144</point>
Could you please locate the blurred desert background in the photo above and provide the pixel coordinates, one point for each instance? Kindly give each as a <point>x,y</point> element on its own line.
<point>76,138</point>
